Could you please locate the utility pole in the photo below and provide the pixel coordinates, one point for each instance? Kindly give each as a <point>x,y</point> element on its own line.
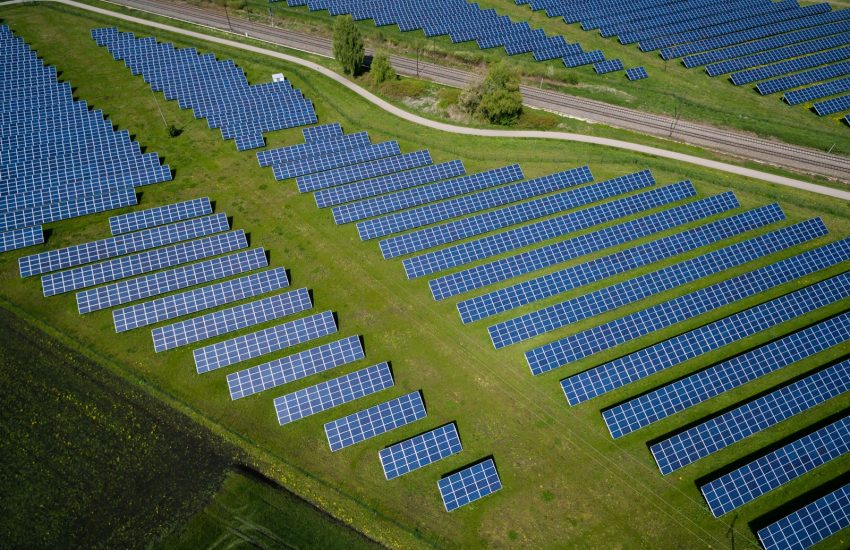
<point>227,15</point>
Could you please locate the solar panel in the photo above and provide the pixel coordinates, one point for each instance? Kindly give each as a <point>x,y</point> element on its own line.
<point>20,238</point>
<point>332,393</point>
<point>311,165</point>
<point>608,66</point>
<point>433,213</point>
<point>192,301</point>
<point>374,421</point>
<point>323,132</point>
<point>552,254</point>
<point>348,174</point>
<point>160,215</point>
<point>690,305</point>
<point>760,71</point>
<point>775,469</point>
<point>753,417</point>
<point>810,524</point>
<point>294,367</point>
<point>585,58</point>
<point>155,284</point>
<point>334,196</point>
<point>569,278</point>
<point>57,212</point>
<point>674,276</point>
<point>292,153</point>
<point>832,106</point>
<point>425,194</point>
<point>230,320</point>
<point>702,386</point>
<point>636,73</point>
<point>420,451</point>
<point>818,91</point>
<point>470,484</point>
<point>684,347</point>
<point>249,346</point>
<point>80,254</point>
<point>803,78</point>
<point>143,262</point>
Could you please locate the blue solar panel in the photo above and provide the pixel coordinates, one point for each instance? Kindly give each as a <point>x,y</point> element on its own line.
<point>420,451</point>
<point>348,174</point>
<point>775,469</point>
<point>818,91</point>
<point>684,347</point>
<point>230,320</point>
<point>166,281</point>
<point>332,393</point>
<point>57,212</point>
<point>425,194</point>
<point>569,278</point>
<point>784,65</point>
<point>549,255</point>
<point>636,73</point>
<point>832,106</point>
<point>311,165</point>
<point>334,196</point>
<point>755,416</point>
<point>192,301</point>
<point>249,346</point>
<point>469,484</point>
<point>291,153</point>
<point>123,244</point>
<point>143,262</point>
<point>588,342</point>
<point>702,386</point>
<point>629,291</point>
<point>470,204</point>
<point>810,524</point>
<point>20,238</point>
<point>294,367</point>
<point>323,132</point>
<point>512,239</point>
<point>374,421</point>
<point>585,58</point>
<point>803,78</point>
<point>608,66</point>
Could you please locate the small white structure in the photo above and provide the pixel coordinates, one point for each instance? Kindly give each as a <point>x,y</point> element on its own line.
<point>278,77</point>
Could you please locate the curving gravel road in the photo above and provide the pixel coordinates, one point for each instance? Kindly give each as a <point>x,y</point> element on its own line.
<point>731,142</point>
<point>607,142</point>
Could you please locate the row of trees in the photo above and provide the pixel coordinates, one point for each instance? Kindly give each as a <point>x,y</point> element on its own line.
<point>495,99</point>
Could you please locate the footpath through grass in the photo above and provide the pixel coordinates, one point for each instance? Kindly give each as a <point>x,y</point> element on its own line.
<point>566,482</point>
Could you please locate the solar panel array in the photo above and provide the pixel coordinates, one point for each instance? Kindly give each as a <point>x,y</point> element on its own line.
<point>810,524</point>
<point>375,421</point>
<point>230,320</point>
<point>773,470</point>
<point>332,393</point>
<point>161,215</point>
<point>292,153</point>
<point>322,133</point>
<point>215,90</point>
<point>803,78</point>
<point>460,20</point>
<point>831,106</point>
<point>569,278</point>
<point>608,66</point>
<point>193,301</point>
<point>605,299</point>
<point>636,73</point>
<point>348,174</point>
<point>713,336</point>
<point>594,340</point>
<point>294,367</point>
<point>755,416</point>
<point>701,386</point>
<point>469,484</point>
<point>420,451</point>
<point>59,159</point>
<point>322,163</point>
<point>255,344</point>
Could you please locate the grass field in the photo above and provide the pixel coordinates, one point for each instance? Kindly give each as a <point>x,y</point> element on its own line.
<point>567,484</point>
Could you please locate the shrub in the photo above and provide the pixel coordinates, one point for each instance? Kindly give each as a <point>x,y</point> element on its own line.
<point>381,70</point>
<point>496,99</point>
<point>348,45</point>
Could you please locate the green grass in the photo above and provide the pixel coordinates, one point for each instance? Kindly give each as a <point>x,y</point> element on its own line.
<point>567,484</point>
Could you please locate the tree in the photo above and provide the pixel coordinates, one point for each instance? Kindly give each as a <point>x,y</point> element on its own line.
<point>381,70</point>
<point>496,99</point>
<point>348,46</point>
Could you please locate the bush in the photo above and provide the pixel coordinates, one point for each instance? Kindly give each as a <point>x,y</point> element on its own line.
<point>381,70</point>
<point>496,99</point>
<point>348,45</point>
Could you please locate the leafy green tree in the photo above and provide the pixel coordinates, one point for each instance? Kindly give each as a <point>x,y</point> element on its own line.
<point>381,70</point>
<point>496,99</point>
<point>348,46</point>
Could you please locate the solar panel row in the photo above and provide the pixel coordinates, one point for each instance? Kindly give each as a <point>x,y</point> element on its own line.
<point>374,421</point>
<point>469,484</point>
<point>348,174</point>
<point>810,524</point>
<point>420,451</point>
<point>161,215</point>
<point>322,163</point>
<point>292,153</point>
<point>83,206</point>
<point>21,238</point>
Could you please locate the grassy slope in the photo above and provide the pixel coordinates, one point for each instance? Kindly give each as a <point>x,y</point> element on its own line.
<point>565,480</point>
<point>671,89</point>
